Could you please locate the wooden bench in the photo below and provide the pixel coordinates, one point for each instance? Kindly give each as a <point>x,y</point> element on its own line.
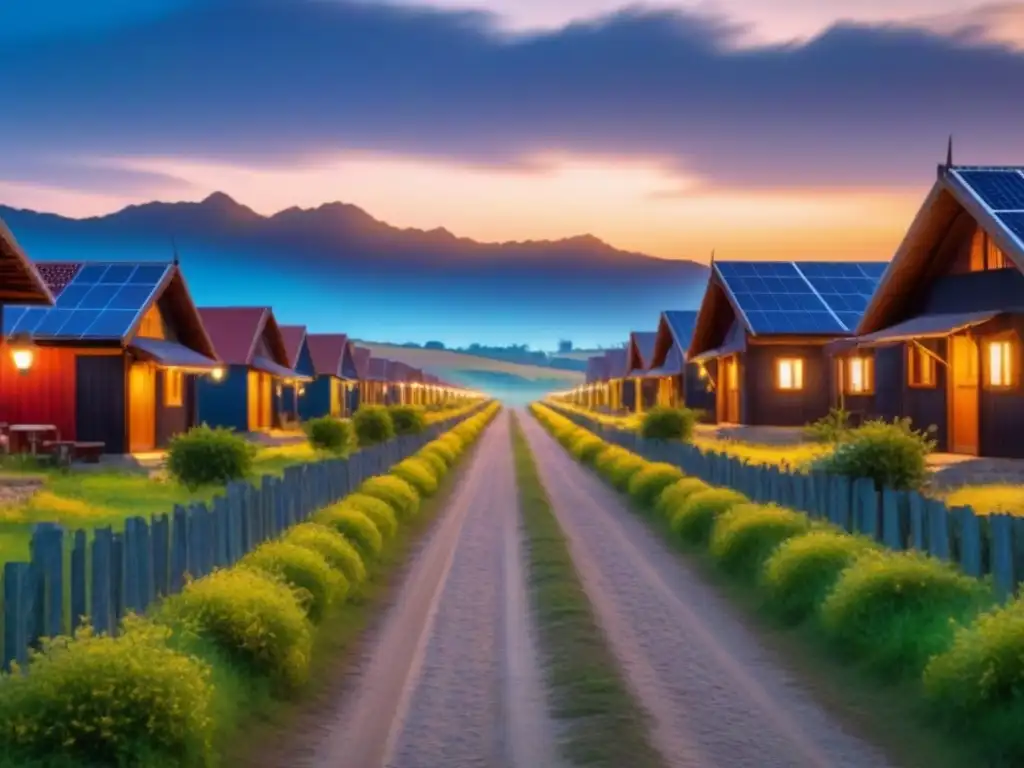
<point>61,451</point>
<point>89,452</point>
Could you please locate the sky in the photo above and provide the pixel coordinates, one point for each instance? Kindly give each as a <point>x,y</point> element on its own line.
<point>789,129</point>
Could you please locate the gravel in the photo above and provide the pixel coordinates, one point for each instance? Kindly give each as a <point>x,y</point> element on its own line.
<point>715,697</point>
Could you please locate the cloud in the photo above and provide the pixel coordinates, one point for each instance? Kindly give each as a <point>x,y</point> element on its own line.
<point>280,82</point>
<point>94,175</point>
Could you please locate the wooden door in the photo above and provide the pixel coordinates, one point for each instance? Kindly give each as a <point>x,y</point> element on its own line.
<point>141,407</point>
<point>730,387</point>
<point>266,401</point>
<point>964,396</point>
<point>252,395</point>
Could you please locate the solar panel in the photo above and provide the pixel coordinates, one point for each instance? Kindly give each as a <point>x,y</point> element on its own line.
<point>111,323</point>
<point>1000,190</point>
<point>1013,222</point>
<point>11,317</point>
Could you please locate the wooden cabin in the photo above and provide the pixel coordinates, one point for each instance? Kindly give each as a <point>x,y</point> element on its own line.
<point>639,391</point>
<point>761,333</point>
<point>364,389</point>
<point>248,341</point>
<point>289,395</point>
<point>593,394</point>
<point>333,391</point>
<point>942,335</point>
<point>680,384</point>
<point>116,359</point>
<point>616,371</point>
<point>20,281</point>
<point>380,380</point>
<point>399,378</point>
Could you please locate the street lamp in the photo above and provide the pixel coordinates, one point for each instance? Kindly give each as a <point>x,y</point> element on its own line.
<point>23,352</point>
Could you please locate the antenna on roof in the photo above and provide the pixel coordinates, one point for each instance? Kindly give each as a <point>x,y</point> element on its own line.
<point>174,250</point>
<point>949,152</point>
<point>712,255</point>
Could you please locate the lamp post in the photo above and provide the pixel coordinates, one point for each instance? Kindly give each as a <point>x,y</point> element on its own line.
<point>23,352</point>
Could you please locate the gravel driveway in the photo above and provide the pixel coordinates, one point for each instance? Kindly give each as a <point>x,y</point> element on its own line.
<point>452,679</point>
<point>715,697</point>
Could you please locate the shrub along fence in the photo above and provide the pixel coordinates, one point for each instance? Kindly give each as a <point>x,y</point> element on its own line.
<point>981,544</point>
<point>113,573</point>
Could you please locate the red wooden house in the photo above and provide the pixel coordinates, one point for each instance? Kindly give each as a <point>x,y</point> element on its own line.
<point>116,357</point>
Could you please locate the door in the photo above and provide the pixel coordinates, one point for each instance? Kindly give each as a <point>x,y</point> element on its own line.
<point>964,394</point>
<point>730,387</point>
<point>252,395</point>
<point>141,407</point>
<point>266,401</point>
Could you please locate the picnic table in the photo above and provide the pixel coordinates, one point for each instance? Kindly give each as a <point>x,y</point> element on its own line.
<point>33,433</point>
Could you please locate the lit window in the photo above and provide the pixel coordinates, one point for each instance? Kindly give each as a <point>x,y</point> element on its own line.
<point>860,379</point>
<point>920,367</point>
<point>173,385</point>
<point>791,373</point>
<point>1000,364</point>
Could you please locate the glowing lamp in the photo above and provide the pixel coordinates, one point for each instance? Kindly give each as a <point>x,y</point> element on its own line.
<point>217,374</point>
<point>23,353</point>
<point>302,390</point>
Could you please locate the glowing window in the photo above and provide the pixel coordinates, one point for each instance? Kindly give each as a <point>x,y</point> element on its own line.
<point>860,375</point>
<point>790,373</point>
<point>1000,364</point>
<point>920,367</point>
<point>173,386</point>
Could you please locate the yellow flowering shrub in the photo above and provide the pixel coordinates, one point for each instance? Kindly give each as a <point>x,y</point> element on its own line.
<point>338,550</point>
<point>417,473</point>
<point>379,511</point>
<point>355,526</point>
<point>395,491</point>
<point>307,571</point>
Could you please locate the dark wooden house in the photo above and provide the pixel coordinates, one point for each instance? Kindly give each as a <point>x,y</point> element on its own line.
<point>943,331</point>
<point>249,342</point>
<point>364,389</point>
<point>593,393</point>
<point>334,390</point>
<point>380,381</point>
<point>616,371</point>
<point>640,392</point>
<point>290,394</point>
<point>680,384</point>
<point>761,333</point>
<point>117,357</point>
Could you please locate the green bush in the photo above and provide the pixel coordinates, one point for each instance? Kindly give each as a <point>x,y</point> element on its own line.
<point>743,538</point>
<point>378,510</point>
<point>668,424</point>
<point>586,447</point>
<point>623,468</point>
<point>398,493</point>
<point>897,610</point>
<point>831,428</point>
<point>672,497</point>
<point>101,700</point>
<point>444,450</point>
<point>254,618</point>
<point>606,458</point>
<point>334,547</point>
<point>647,484</point>
<point>306,570</point>
<point>695,518</point>
<point>438,465</point>
<point>355,526</point>
<point>408,419</point>
<point>327,433</point>
<point>417,473</point>
<point>453,442</point>
<point>373,425</point>
<point>799,575</point>
<point>977,684</point>
<point>893,455</point>
<point>205,456</point>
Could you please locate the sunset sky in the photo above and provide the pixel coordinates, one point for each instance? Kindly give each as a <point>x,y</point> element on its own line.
<point>783,129</point>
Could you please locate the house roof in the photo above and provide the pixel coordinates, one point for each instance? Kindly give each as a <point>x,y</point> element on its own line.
<point>293,336</point>
<point>20,281</point>
<point>992,195</point>
<point>640,350</point>
<point>615,363</point>
<point>675,330</point>
<point>379,369</point>
<point>236,333</point>
<point>784,298</point>
<point>104,302</point>
<point>361,358</point>
<point>328,352</point>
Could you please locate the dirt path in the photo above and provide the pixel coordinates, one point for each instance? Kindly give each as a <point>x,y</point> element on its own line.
<point>715,697</point>
<point>452,677</point>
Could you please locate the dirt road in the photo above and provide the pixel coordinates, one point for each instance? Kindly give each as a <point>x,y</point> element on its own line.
<point>715,698</point>
<point>452,679</point>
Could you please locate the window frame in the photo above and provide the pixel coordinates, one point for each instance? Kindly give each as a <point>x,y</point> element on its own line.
<point>867,363</point>
<point>174,396</point>
<point>796,374</point>
<point>915,354</point>
<point>1011,363</point>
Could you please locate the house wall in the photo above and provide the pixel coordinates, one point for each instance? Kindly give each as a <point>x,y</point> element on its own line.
<point>172,420</point>
<point>317,400</point>
<point>225,403</point>
<point>44,395</point>
<point>100,402</point>
<point>696,392</point>
<point>766,405</point>
<point>1001,417</point>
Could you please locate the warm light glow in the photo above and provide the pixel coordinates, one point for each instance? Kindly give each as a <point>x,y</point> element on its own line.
<point>1000,364</point>
<point>217,374</point>
<point>791,373</point>
<point>302,391</point>
<point>23,358</point>
<point>859,375</point>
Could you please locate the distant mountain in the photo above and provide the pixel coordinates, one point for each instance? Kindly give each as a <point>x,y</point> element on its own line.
<point>336,267</point>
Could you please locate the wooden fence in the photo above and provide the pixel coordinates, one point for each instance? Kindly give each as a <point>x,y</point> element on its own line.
<point>102,574</point>
<point>982,545</point>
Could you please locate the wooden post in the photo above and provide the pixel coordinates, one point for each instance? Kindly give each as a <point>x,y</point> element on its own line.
<point>970,541</point>
<point>1004,578</point>
<point>918,530</point>
<point>938,529</point>
<point>79,580</point>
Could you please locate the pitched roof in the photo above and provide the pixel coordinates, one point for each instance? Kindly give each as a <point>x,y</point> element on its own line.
<point>789,298</point>
<point>236,332</point>
<point>102,301</point>
<point>361,356</point>
<point>615,363</point>
<point>640,349</point>
<point>675,330</point>
<point>379,369</point>
<point>992,195</point>
<point>328,352</point>
<point>293,336</point>
<point>20,281</point>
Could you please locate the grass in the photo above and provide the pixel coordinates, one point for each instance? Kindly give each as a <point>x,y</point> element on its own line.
<point>988,499</point>
<point>793,456</point>
<point>602,724</point>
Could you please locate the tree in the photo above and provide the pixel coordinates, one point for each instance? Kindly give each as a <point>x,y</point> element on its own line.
<point>434,345</point>
<point>565,345</point>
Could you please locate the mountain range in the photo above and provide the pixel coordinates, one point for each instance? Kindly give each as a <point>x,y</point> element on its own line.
<point>336,267</point>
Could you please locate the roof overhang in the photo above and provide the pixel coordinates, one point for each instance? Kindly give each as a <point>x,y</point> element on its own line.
<point>267,365</point>
<point>927,327</point>
<point>20,281</point>
<point>170,354</point>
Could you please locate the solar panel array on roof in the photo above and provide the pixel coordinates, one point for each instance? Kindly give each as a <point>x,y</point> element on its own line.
<point>101,302</point>
<point>801,297</point>
<point>1001,189</point>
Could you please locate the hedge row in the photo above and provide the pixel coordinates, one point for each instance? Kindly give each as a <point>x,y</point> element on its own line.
<point>901,615</point>
<point>155,694</point>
